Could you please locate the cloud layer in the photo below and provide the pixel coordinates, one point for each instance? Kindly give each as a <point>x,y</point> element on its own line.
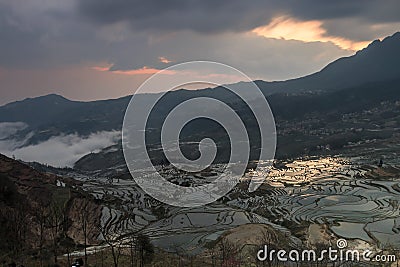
<point>56,45</point>
<point>61,151</point>
<point>230,15</point>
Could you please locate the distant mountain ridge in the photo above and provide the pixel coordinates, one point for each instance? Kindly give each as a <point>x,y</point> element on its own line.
<point>374,105</point>
<point>379,61</point>
<point>54,115</point>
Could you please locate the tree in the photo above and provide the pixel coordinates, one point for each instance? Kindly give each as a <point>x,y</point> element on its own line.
<point>116,246</point>
<point>84,218</point>
<point>145,249</point>
<point>229,251</point>
<point>41,214</point>
<point>179,252</point>
<point>55,222</point>
<point>113,239</point>
<point>67,243</point>
<point>132,242</point>
<point>13,241</point>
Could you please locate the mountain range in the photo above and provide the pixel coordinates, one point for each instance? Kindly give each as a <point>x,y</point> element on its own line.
<point>349,84</point>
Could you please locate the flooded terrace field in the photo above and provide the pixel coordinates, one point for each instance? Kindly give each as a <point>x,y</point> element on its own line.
<point>353,197</point>
<point>356,200</point>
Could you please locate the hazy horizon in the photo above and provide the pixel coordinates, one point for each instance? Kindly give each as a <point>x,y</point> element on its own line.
<point>87,51</point>
<point>94,98</point>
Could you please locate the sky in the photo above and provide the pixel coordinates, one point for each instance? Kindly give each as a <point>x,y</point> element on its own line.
<point>100,49</point>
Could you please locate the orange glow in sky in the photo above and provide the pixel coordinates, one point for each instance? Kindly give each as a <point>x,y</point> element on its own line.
<point>164,60</point>
<point>144,70</point>
<point>307,31</point>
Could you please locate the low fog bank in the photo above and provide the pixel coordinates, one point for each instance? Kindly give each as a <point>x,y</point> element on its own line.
<point>58,151</point>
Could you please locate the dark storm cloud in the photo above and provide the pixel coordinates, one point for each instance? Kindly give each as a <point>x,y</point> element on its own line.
<point>50,33</point>
<point>29,39</point>
<point>200,16</point>
<point>369,10</point>
<point>14,38</point>
<point>210,16</point>
<point>50,45</point>
<point>357,29</point>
